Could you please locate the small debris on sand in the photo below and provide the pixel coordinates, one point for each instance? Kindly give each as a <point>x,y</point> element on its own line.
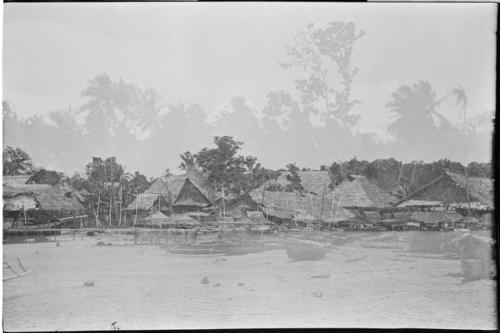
<point>205,280</point>
<point>101,243</point>
<point>240,284</point>
<point>57,244</point>
<point>321,276</point>
<point>219,260</point>
<point>109,244</point>
<point>317,294</point>
<point>216,285</point>
<point>89,283</point>
<point>252,289</point>
<point>114,327</point>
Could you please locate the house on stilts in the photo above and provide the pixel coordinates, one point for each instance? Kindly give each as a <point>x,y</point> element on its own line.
<point>187,193</point>
<point>457,201</point>
<point>28,205</point>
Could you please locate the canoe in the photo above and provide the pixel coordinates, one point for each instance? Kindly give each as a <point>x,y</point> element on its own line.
<point>261,229</point>
<point>240,249</point>
<point>236,248</point>
<point>204,248</point>
<point>6,278</point>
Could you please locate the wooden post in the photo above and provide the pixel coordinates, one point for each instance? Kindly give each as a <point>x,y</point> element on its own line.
<point>331,212</point>
<point>294,208</point>
<point>121,203</point>
<point>97,223</point>
<point>136,208</point>
<point>224,208</point>
<point>467,192</point>
<point>25,220</point>
<point>338,206</point>
<point>312,208</point>
<point>110,204</point>
<point>322,200</point>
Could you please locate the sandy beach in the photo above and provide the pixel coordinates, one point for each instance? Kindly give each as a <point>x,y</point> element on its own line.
<point>366,283</point>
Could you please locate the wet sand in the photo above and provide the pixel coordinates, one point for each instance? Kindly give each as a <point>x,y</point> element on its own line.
<point>366,283</point>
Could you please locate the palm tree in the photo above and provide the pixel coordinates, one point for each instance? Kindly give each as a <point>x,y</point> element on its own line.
<point>100,107</point>
<point>65,121</point>
<point>108,102</point>
<point>461,100</point>
<point>149,115</point>
<point>413,109</point>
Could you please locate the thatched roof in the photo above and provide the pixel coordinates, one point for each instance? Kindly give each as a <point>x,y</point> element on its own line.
<point>360,192</point>
<point>257,217</point>
<point>143,201</point>
<point>285,205</point>
<point>312,181</point>
<point>170,187</point>
<point>166,187</point>
<point>15,180</point>
<point>204,186</point>
<point>436,216</point>
<point>479,188</point>
<point>421,203</point>
<point>179,219</point>
<point>189,202</point>
<point>155,218</point>
<point>451,188</point>
<point>303,216</point>
<point>474,205</point>
<point>48,197</point>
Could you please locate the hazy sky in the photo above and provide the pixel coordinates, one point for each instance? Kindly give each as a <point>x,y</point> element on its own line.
<point>208,53</point>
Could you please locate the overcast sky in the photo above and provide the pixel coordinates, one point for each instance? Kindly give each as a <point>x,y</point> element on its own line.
<point>208,53</point>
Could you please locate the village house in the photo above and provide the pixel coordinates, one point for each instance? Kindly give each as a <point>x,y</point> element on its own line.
<point>190,192</point>
<point>286,206</point>
<point>364,198</point>
<point>26,203</point>
<point>450,200</point>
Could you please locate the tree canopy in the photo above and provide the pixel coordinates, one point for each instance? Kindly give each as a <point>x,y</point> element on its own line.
<point>16,162</point>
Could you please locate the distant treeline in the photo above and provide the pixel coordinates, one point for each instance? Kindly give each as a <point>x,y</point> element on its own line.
<point>114,117</point>
<point>391,173</point>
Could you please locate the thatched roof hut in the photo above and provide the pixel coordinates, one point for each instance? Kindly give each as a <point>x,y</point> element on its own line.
<point>154,219</point>
<point>190,190</point>
<point>15,180</point>
<point>195,194</point>
<point>358,192</point>
<point>479,188</point>
<point>283,205</point>
<point>452,188</point>
<point>145,202</point>
<point>166,188</point>
<point>43,197</point>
